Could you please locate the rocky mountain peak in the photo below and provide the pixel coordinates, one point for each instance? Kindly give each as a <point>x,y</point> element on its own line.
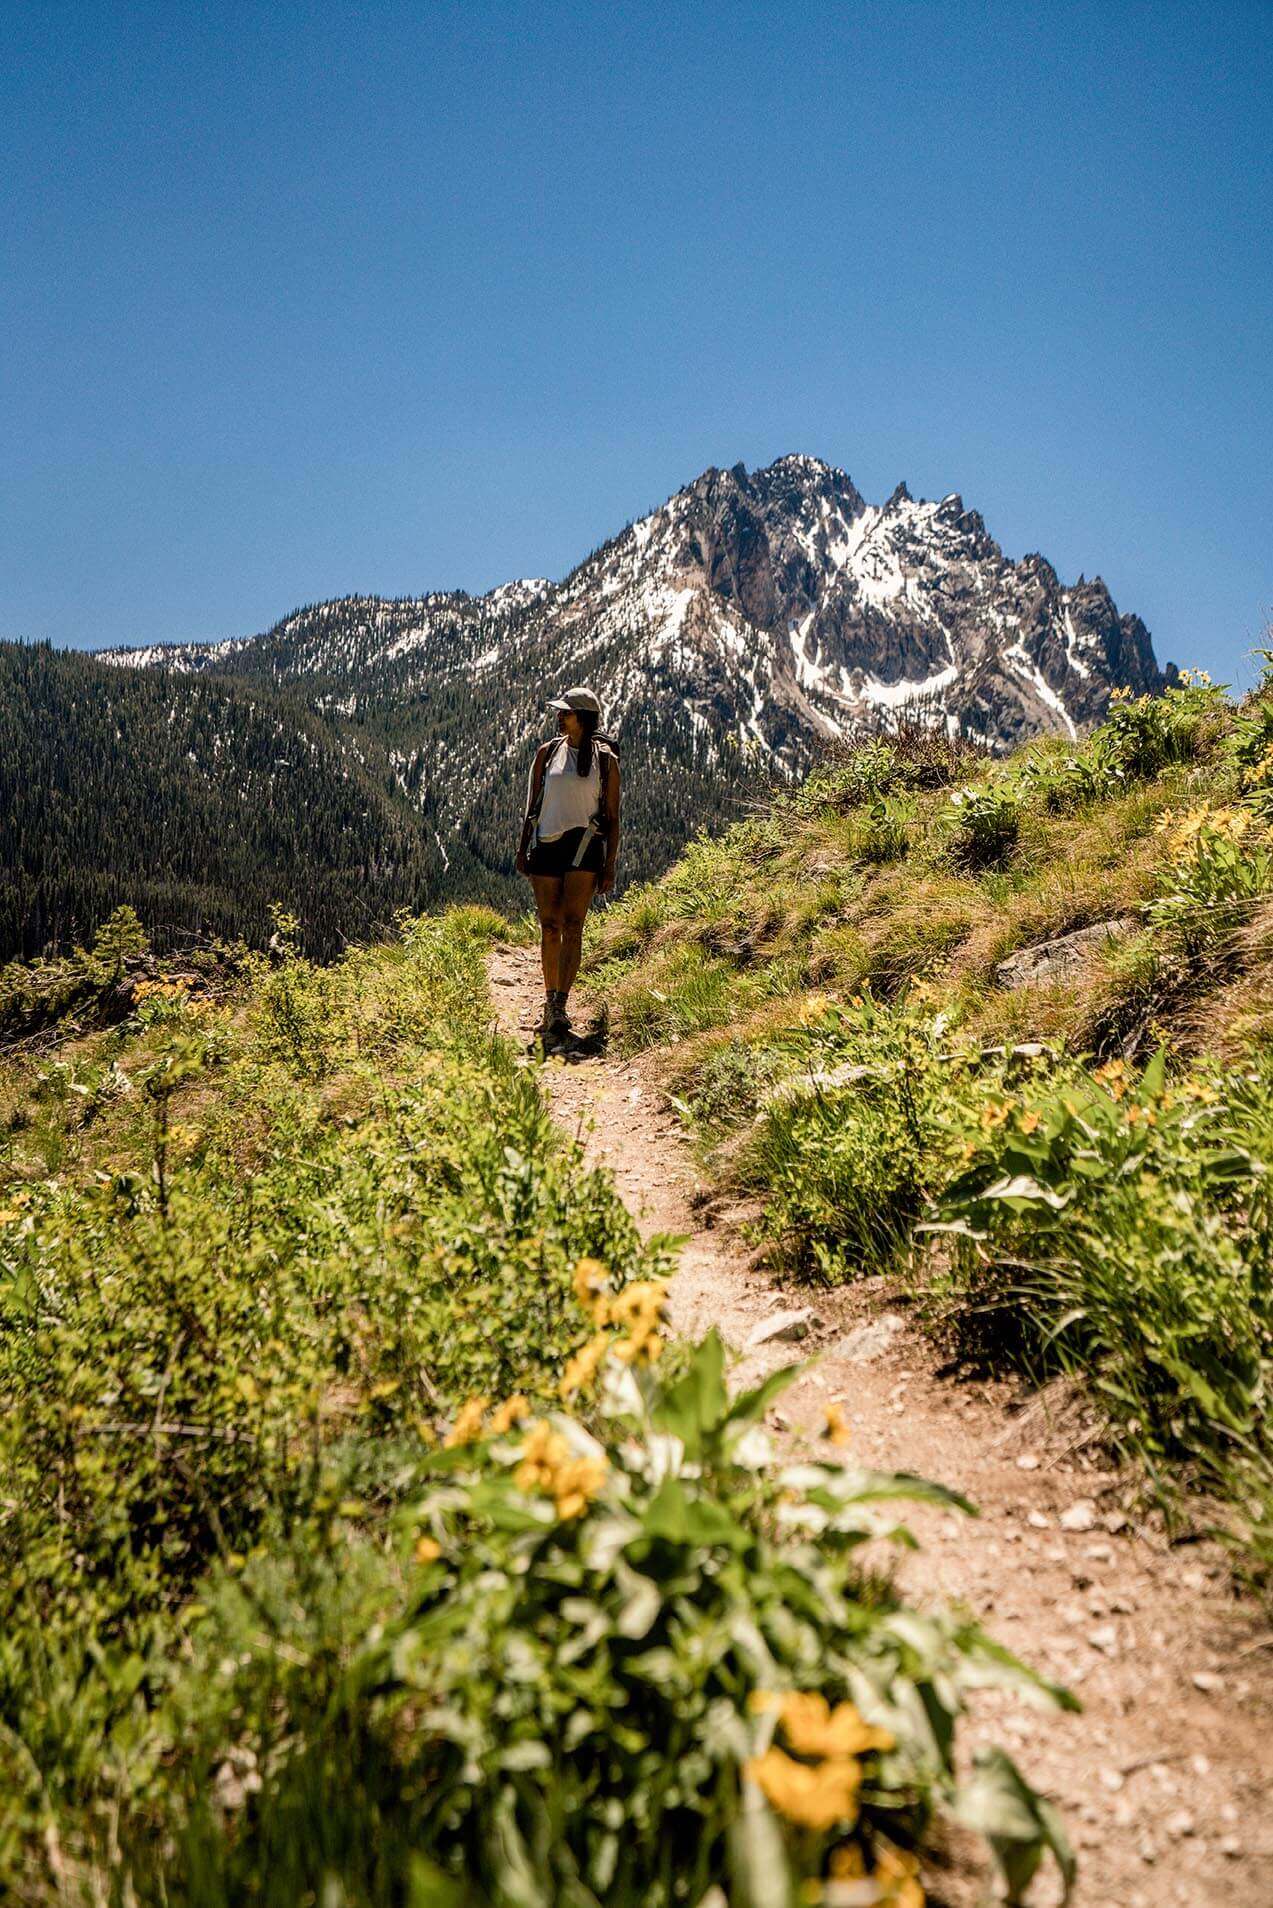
<point>758,611</point>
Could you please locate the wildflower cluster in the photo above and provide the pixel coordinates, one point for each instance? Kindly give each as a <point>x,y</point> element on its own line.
<point>473,1422</point>
<point>638,1313</point>
<point>160,989</point>
<point>547,1466</point>
<point>1186,830</point>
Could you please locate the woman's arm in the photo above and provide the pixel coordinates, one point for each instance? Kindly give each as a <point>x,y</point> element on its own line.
<point>533,787</point>
<point>606,879</point>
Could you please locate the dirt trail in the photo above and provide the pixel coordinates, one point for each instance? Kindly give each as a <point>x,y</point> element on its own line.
<point>1166,1778</point>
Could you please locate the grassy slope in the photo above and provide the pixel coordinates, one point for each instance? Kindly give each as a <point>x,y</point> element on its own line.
<point>821,982</point>
<point>289,1608</point>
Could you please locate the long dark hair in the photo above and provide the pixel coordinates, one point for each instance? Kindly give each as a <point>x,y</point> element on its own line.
<point>588,720</point>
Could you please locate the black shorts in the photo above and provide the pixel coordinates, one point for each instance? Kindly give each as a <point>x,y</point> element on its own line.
<point>558,857</point>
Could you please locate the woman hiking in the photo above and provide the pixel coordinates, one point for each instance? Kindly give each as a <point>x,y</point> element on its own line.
<point>570,841</point>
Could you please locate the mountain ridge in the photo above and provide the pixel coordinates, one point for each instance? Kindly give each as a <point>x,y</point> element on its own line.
<point>850,611</point>
<point>734,633</point>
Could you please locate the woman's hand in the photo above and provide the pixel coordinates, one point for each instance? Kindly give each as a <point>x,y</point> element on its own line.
<point>605,880</point>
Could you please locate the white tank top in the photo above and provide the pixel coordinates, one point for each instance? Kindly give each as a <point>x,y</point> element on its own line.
<point>570,799</point>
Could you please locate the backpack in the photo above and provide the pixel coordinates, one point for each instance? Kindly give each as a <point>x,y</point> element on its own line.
<point>604,744</point>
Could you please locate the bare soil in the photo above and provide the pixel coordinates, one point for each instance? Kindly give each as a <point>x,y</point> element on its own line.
<point>1166,1777</point>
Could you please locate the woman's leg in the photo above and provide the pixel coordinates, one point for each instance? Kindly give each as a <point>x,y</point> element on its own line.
<point>549,905</point>
<point>579,886</point>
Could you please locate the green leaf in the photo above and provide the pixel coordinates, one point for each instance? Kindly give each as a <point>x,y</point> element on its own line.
<point>642,1601</point>
<point>1151,1080</point>
<point>750,1406</point>
<point>1021,1192</point>
<point>695,1406</point>
<point>680,1519</point>
<point>988,1664</point>
<point>759,1868</point>
<point>1020,1825</point>
<point>519,1885</point>
<point>428,1887</point>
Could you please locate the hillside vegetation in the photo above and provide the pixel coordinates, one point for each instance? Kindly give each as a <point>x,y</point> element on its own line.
<point>196,801</point>
<point>1069,1168</point>
<point>201,799</point>
<point>357,1544</point>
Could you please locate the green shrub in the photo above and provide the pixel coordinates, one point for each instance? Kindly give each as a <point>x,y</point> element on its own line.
<point>1128,1224</point>
<point>982,822</point>
<point>179,1340</point>
<point>914,757</point>
<point>853,1140</point>
<point>865,775</point>
<point>564,1680</point>
<point>880,834</point>
<point>39,993</point>
<point>1141,735</point>
<point>1223,864</point>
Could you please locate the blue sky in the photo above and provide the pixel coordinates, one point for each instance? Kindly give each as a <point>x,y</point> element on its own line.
<point>302,300</point>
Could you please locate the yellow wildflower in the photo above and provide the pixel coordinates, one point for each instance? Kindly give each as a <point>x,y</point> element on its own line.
<point>1185,831</point>
<point>505,1416</point>
<point>1113,1077</point>
<point>468,1423</point>
<point>644,1343</point>
<point>1029,1122</point>
<point>591,1283</point>
<point>847,1863</point>
<point>640,1309</point>
<point>994,1113</point>
<point>1262,771</point>
<point>817,1797</point>
<point>547,1466</point>
<point>837,1426</point>
<point>1184,828</point>
<point>575,1484</point>
<point>582,1366</point>
<point>640,1304</point>
<point>427,1550</point>
<point>542,1452</point>
<point>897,1872</point>
<point>813,1728</point>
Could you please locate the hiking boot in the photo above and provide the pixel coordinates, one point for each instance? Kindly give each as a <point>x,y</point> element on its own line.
<point>555,1024</point>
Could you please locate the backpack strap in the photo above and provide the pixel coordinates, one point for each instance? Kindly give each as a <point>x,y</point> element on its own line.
<point>603,755</point>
